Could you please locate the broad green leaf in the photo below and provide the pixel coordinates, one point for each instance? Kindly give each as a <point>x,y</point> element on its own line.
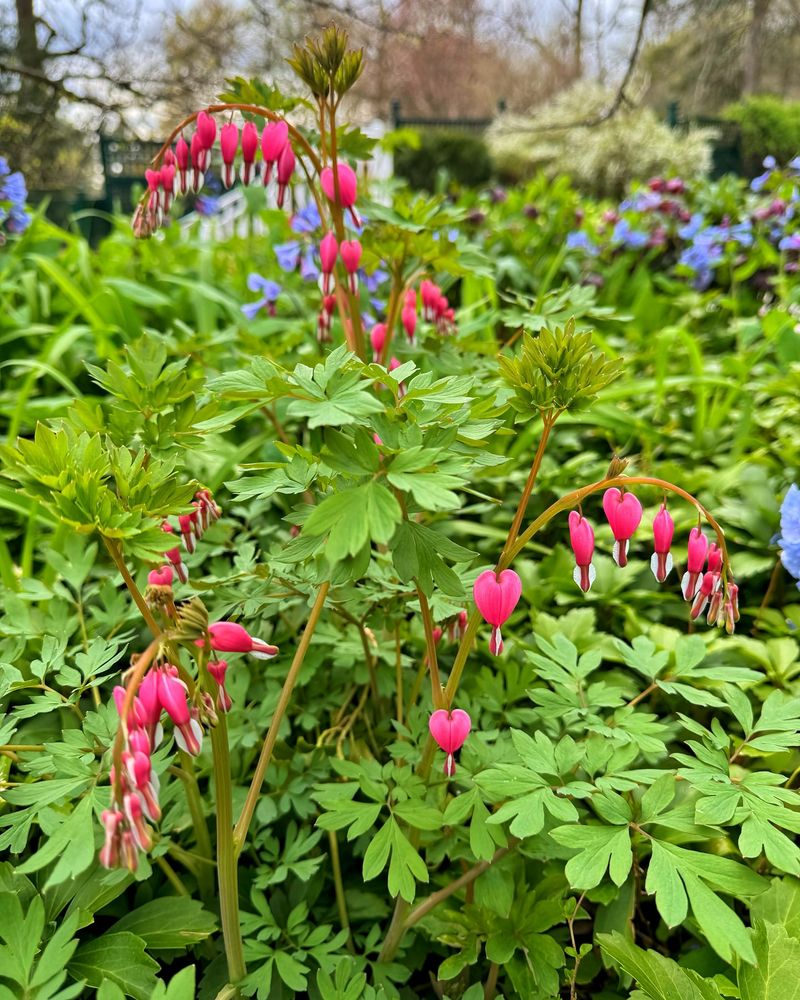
<point>121,959</point>
<point>776,973</point>
<point>168,922</point>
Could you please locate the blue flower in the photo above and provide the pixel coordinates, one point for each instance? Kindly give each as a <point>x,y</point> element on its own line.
<point>794,165</point>
<point>306,220</point>
<point>742,233</point>
<point>308,265</point>
<point>791,242</point>
<point>692,227</point>
<point>790,532</point>
<point>580,241</point>
<point>375,280</point>
<point>206,204</point>
<point>632,239</point>
<point>288,255</point>
<point>4,167</point>
<point>270,289</point>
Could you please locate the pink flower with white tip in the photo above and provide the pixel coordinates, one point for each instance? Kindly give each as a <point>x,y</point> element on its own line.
<point>230,637</point>
<point>110,851</point>
<point>450,730</point>
<point>350,252</point>
<point>328,252</point>
<point>624,512</point>
<point>663,530</point>
<point>274,140</point>
<point>218,669</point>
<point>206,132</point>
<point>496,595</point>
<point>409,319</point>
<point>199,156</point>
<point>173,696</point>
<point>182,162</point>
<point>581,538</point>
<point>249,148</point>
<point>704,592</point>
<point>167,174</point>
<point>286,163</point>
<point>695,563</point>
<point>229,146</point>
<point>377,337</point>
<point>175,557</point>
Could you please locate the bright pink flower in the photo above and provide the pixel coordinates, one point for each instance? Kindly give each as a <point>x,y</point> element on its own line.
<point>394,364</point>
<point>199,156</point>
<point>182,161</point>
<point>206,129</point>
<point>274,140</point>
<point>173,697</point>
<point>249,147</point>
<point>328,252</point>
<point>161,577</point>
<point>437,635</point>
<point>624,512</point>
<point>377,337</point>
<point>350,251</point>
<point>218,669</point>
<point>167,173</point>
<point>697,552</point>
<point>230,637</point>
<point>187,523</point>
<point>174,556</point>
<point>348,187</point>
<point>663,530</point>
<point>229,144</point>
<point>134,813</point>
<point>496,596</point>
<point>714,558</point>
<point>450,730</point>
<point>409,318</point>
<point>581,538</point>
<point>286,162</point>
<point>410,300</point>
<point>149,699</point>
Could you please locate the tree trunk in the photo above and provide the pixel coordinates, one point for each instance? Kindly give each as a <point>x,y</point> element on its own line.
<point>753,47</point>
<point>32,96</point>
<point>577,66</point>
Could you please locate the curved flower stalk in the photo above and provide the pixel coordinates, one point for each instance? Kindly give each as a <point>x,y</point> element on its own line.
<point>329,70</point>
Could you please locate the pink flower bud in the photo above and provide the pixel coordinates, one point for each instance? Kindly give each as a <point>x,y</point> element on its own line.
<point>328,252</point>
<point>229,142</point>
<point>348,184</point>
<point>409,318</point>
<point>286,163</point>
<point>410,300</point>
<point>581,538</point>
<point>249,142</point>
<point>182,154</point>
<point>377,337</point>
<point>161,577</point>
<point>351,255</point>
<point>706,589</point>
<point>697,552</point>
<point>218,669</point>
<point>714,558</point>
<point>663,530</point>
<point>274,140</point>
<point>206,129</point>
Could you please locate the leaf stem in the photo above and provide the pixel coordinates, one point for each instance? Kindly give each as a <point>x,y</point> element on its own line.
<point>243,823</point>
<point>116,554</point>
<point>430,643</point>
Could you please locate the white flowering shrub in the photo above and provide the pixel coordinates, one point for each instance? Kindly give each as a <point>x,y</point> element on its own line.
<point>600,159</point>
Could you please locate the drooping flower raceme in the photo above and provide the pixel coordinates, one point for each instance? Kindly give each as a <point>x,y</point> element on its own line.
<point>450,730</point>
<point>496,595</point>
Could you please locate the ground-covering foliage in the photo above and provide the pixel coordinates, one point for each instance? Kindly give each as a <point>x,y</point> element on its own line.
<point>621,818</point>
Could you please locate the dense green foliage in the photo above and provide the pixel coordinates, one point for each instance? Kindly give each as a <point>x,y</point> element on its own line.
<point>459,158</point>
<point>768,125</point>
<point>629,777</point>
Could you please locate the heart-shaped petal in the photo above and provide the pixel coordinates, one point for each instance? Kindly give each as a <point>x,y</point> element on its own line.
<point>496,596</point>
<point>624,512</point>
<point>450,729</point>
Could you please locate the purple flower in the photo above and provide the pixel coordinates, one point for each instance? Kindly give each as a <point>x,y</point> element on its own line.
<point>632,239</point>
<point>206,205</point>
<point>375,280</point>
<point>288,255</point>
<point>307,220</point>
<point>790,532</point>
<point>270,289</point>
<point>791,242</point>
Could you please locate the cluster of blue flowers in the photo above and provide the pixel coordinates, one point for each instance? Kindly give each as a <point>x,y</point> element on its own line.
<point>789,540</point>
<point>666,219</point>
<point>303,255</point>
<point>13,195</point>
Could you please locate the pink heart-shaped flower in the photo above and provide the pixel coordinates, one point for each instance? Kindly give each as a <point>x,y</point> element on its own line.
<point>624,512</point>
<point>497,596</point>
<point>450,729</point>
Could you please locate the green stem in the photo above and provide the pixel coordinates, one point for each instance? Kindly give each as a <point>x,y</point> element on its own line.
<point>243,823</point>
<point>114,551</point>
<point>430,643</point>
<point>338,883</point>
<point>227,874</point>
<point>205,877</point>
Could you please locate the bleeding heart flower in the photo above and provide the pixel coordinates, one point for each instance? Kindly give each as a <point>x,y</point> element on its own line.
<point>229,144</point>
<point>348,187</point>
<point>624,512</point>
<point>581,538</point>
<point>663,530</point>
<point>696,560</point>
<point>350,252</point>
<point>274,140</point>
<point>249,147</point>
<point>377,337</point>
<point>230,637</point>
<point>496,596</point>
<point>450,730</point>
<point>328,252</point>
<point>286,162</point>
<point>161,577</point>
<point>409,318</point>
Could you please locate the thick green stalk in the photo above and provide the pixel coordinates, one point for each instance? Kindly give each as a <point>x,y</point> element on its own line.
<point>227,873</point>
